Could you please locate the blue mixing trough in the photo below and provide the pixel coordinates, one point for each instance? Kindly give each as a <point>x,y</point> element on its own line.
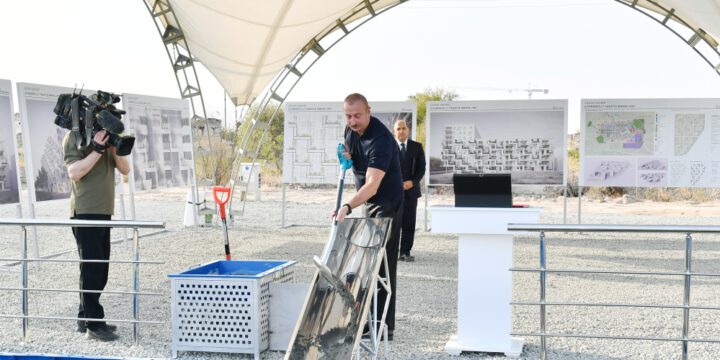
<point>53,357</point>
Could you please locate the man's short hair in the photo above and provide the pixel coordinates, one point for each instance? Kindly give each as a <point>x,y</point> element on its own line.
<point>352,98</point>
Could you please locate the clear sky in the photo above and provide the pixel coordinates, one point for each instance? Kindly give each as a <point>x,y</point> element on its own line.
<point>575,48</point>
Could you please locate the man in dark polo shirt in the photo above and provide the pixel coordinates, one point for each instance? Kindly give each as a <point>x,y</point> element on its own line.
<point>378,181</point>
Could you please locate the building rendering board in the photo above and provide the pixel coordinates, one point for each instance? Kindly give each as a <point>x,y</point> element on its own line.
<point>163,152</point>
<point>526,138</point>
<point>45,168</point>
<point>9,189</point>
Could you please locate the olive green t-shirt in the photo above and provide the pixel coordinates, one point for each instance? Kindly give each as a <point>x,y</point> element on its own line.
<point>95,192</point>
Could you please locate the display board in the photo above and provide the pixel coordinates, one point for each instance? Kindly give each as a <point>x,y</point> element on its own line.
<point>314,129</point>
<point>526,138</point>
<point>650,142</point>
<point>45,169</point>
<point>9,170</point>
<point>163,153</point>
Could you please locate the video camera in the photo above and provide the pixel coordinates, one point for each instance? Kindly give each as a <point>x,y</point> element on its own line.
<point>88,115</point>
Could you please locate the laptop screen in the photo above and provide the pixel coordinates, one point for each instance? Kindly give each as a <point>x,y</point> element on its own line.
<point>482,190</point>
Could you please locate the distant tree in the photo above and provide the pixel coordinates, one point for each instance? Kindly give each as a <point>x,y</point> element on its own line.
<point>271,148</point>
<point>436,94</point>
<point>41,182</point>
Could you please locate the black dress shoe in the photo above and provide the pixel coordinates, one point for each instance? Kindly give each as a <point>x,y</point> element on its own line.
<point>101,333</point>
<point>82,327</point>
<point>409,258</point>
<point>366,335</point>
<point>402,257</point>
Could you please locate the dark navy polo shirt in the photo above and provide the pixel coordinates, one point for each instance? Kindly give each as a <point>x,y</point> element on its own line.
<point>378,149</point>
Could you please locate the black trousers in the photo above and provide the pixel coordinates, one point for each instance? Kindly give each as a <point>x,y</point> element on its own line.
<point>394,211</point>
<point>93,244</point>
<point>408,223</point>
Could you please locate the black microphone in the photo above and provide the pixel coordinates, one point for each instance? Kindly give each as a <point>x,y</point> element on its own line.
<point>63,122</point>
<point>110,122</point>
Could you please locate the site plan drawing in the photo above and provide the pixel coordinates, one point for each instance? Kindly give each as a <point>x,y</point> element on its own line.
<point>650,142</point>
<point>688,127</point>
<point>619,133</point>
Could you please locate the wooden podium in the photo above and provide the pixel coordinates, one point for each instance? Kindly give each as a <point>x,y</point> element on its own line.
<point>484,313</point>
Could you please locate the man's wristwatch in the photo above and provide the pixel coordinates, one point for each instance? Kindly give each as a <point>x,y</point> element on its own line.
<point>349,208</point>
<point>99,148</point>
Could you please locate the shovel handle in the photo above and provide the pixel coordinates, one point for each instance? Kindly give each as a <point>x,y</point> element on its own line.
<point>221,200</point>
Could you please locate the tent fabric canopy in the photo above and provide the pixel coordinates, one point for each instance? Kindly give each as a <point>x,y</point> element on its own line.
<point>698,14</point>
<point>246,43</point>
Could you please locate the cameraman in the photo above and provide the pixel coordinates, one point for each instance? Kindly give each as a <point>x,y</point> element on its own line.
<point>92,171</point>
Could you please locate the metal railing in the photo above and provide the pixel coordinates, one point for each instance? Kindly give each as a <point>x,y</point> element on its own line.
<point>24,260</point>
<point>687,277</point>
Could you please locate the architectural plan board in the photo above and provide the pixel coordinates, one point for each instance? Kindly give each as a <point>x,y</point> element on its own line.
<point>313,131</point>
<point>163,153</point>
<point>526,138</point>
<point>650,142</point>
<point>45,170</point>
<point>9,170</point>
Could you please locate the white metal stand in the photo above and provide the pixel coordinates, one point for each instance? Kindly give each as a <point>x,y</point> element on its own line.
<point>372,345</point>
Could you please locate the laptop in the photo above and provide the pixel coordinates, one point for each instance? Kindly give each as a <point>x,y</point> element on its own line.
<point>483,190</point>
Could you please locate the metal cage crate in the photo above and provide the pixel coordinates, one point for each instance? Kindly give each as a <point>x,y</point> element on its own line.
<point>224,306</point>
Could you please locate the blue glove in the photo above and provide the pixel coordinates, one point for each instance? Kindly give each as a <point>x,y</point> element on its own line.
<point>345,163</point>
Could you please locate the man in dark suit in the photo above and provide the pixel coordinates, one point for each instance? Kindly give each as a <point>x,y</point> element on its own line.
<point>412,164</point>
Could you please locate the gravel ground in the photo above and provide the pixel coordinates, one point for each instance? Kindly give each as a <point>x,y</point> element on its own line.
<point>427,288</point>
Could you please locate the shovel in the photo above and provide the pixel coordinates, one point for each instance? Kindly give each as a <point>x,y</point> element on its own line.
<point>221,201</point>
<point>345,164</point>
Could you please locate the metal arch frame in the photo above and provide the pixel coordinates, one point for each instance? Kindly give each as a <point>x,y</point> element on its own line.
<point>669,14</point>
<point>181,59</point>
<point>291,74</point>
<point>314,46</point>
<point>182,62</point>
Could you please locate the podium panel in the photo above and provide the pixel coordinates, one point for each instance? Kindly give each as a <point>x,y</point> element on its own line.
<point>484,316</point>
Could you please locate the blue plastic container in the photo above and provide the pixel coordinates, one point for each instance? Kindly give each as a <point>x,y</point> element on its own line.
<point>53,357</point>
<point>235,269</point>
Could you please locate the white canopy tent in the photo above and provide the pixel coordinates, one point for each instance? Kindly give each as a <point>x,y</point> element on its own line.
<point>703,16</point>
<point>255,48</point>
<point>245,44</point>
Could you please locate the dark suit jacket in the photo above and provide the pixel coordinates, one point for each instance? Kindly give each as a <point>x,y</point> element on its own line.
<point>413,166</point>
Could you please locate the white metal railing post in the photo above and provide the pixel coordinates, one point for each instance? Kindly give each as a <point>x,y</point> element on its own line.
<point>543,274</point>
<point>136,282</point>
<point>389,292</point>
<point>686,295</point>
<point>282,224</point>
<point>24,284</point>
<point>122,212</point>
<point>579,205</point>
